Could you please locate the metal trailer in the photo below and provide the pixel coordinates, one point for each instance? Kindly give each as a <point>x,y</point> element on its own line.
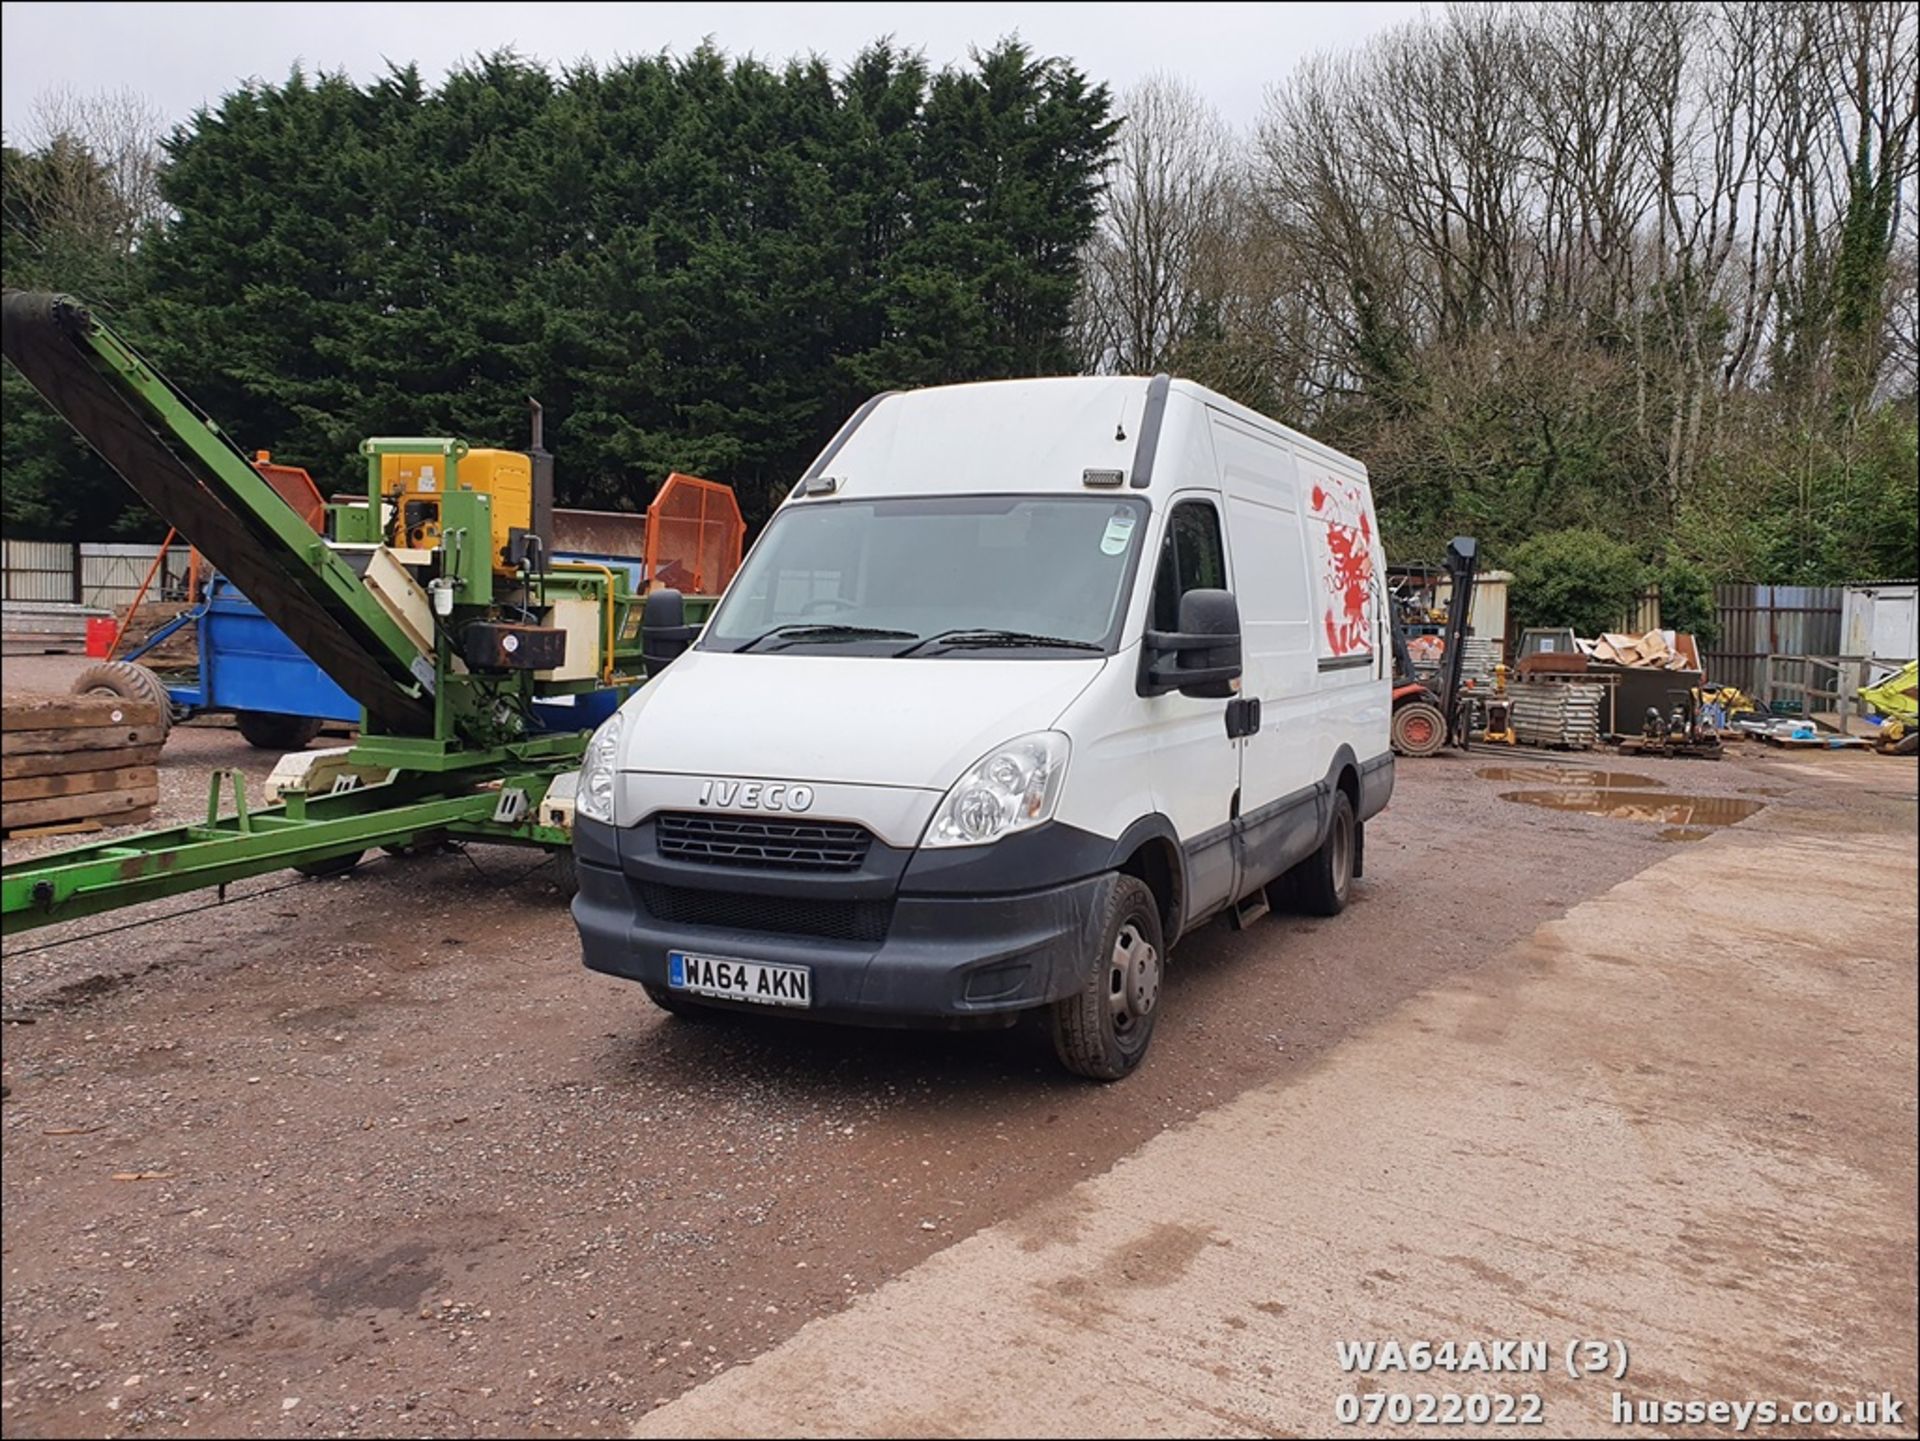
<point>456,644</point>
<point>246,665</point>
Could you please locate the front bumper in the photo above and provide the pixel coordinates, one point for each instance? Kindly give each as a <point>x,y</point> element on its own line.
<point>886,956</point>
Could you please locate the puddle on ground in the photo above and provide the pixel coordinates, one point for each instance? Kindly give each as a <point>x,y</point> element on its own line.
<point>1566,776</point>
<point>1684,833</point>
<point>1678,812</point>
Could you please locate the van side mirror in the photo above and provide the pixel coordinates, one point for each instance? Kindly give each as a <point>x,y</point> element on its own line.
<point>1202,658</point>
<point>664,631</point>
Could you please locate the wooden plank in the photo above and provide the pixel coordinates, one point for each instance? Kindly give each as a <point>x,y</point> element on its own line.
<point>88,738</point>
<point>61,712</point>
<point>78,783</point>
<point>107,806</point>
<point>65,828</point>
<point>66,761</point>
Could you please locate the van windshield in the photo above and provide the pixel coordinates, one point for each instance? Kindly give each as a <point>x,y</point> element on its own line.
<point>936,575</point>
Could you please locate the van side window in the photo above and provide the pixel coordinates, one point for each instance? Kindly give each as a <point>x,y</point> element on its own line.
<point>1192,558</point>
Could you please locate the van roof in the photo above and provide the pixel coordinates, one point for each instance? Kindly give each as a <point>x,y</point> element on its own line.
<point>1037,434</point>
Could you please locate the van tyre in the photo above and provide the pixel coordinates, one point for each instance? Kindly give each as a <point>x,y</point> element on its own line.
<point>131,682</point>
<point>1322,880</point>
<point>1102,1031</point>
<point>265,731</point>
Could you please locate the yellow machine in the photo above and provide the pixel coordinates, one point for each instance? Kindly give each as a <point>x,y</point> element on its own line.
<point>1499,706</point>
<point>414,484</point>
<point>1897,699</point>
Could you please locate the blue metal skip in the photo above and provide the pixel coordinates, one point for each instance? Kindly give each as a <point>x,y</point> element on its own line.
<point>248,663</point>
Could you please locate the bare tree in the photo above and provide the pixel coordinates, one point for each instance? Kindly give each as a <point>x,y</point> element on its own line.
<point>1166,202</point>
<point>104,157</point>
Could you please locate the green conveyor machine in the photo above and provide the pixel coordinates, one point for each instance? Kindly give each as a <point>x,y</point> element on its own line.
<point>480,660</point>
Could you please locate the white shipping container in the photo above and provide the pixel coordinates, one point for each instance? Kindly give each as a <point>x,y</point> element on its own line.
<point>1487,616</point>
<point>1881,622</point>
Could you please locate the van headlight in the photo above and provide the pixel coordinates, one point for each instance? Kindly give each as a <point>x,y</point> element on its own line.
<point>1007,790</point>
<point>594,799</point>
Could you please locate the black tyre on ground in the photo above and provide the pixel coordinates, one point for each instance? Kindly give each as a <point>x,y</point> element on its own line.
<point>674,1004</point>
<point>566,875</point>
<point>131,682</point>
<point>1320,883</point>
<point>331,866</point>
<point>419,846</point>
<point>265,731</point>
<point>1102,1031</point>
<point>1419,729</point>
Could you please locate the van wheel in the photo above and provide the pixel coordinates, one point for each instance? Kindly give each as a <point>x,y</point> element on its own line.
<point>1324,878</point>
<point>1102,1031</point>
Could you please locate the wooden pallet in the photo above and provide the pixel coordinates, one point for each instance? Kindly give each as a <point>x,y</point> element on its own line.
<point>1818,743</point>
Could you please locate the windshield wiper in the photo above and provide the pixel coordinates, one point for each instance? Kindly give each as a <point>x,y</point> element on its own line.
<point>796,631</point>
<point>985,637</point>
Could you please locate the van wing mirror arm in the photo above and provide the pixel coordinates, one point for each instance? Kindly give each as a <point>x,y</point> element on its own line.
<point>1164,676</point>
<point>1164,673</point>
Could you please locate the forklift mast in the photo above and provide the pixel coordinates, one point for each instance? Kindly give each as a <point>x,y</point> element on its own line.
<point>1463,561</point>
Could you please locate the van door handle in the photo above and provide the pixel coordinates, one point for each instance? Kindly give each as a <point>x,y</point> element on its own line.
<point>1243,717</point>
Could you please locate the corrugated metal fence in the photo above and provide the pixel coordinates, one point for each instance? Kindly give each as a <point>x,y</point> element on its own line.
<point>94,573</point>
<point>110,575</point>
<point>1757,621</point>
<point>44,570</point>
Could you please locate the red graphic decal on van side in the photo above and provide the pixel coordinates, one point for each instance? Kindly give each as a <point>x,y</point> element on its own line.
<point>1346,566</point>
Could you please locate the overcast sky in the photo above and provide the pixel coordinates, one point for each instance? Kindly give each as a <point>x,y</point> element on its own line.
<point>181,56</point>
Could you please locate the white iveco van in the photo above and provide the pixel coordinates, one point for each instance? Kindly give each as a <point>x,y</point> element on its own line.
<point>1025,680</point>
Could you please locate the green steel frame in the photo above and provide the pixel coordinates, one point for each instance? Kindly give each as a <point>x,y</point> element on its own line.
<point>496,803</point>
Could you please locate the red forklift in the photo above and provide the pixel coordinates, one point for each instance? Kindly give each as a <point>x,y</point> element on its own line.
<point>1431,712</point>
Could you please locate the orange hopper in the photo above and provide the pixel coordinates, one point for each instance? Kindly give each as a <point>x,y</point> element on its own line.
<point>694,534</point>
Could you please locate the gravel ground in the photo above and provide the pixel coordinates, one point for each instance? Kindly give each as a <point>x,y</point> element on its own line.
<point>376,1155</point>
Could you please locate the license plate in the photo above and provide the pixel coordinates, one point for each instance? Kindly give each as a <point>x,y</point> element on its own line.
<point>730,980</point>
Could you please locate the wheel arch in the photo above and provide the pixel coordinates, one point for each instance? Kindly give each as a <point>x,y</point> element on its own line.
<point>1343,774</point>
<point>1149,850</point>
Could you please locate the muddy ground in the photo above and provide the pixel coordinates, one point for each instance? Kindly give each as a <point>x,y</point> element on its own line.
<point>375,1154</point>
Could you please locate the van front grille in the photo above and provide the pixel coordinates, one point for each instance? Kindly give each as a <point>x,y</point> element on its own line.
<point>773,844</point>
<point>836,920</point>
